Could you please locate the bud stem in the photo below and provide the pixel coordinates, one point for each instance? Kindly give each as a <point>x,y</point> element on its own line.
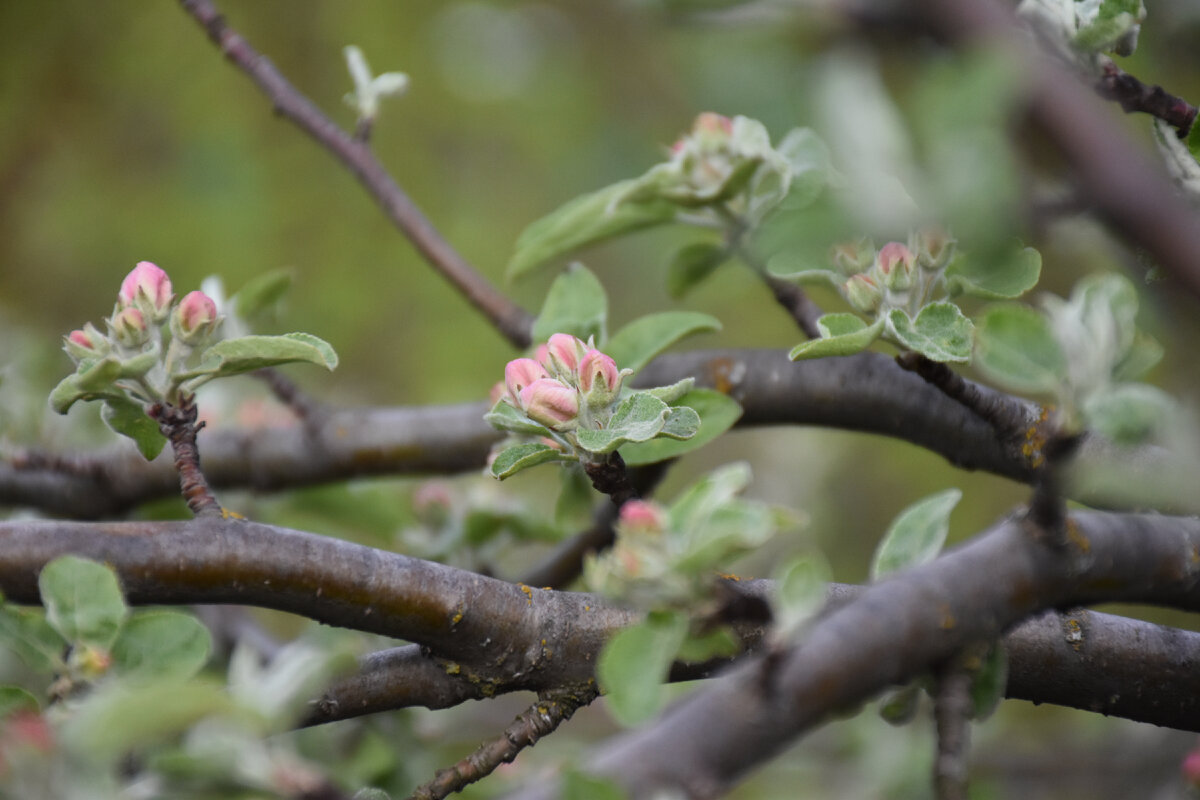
<point>609,477</point>
<point>178,424</point>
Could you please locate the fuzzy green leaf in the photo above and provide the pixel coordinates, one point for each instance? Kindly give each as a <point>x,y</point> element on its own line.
<point>638,418</point>
<point>844,335</point>
<point>507,418</point>
<point>1002,278</point>
<point>989,682</point>
<point>800,590</point>
<point>128,418</point>
<point>899,706</point>
<point>1015,346</point>
<point>248,353</point>
<point>576,304</point>
<point>13,699</point>
<point>523,456</point>
<point>640,341</point>
<point>261,293</point>
<point>634,663</point>
<point>691,264</point>
<point>161,644</point>
<point>585,220</point>
<point>718,412</point>
<point>99,375</point>
<point>26,632</point>
<point>916,535</point>
<point>83,600</point>
<point>671,394</point>
<point>940,332</point>
<point>1130,413</point>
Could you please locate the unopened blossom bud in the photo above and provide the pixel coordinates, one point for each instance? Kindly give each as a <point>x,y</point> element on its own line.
<point>1191,767</point>
<point>639,516</point>
<point>86,343</point>
<point>895,264</point>
<point>148,288</point>
<point>599,379</point>
<point>852,258</point>
<point>129,327</point>
<point>519,373</point>
<point>551,403</point>
<point>711,127</point>
<point>934,248</point>
<point>862,294</point>
<point>195,318</point>
<point>564,352</point>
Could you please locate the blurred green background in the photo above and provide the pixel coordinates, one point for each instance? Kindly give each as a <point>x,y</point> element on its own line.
<point>127,138</point>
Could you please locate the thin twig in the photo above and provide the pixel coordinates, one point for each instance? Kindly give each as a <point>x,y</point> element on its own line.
<point>542,718</point>
<point>609,477</point>
<point>178,424</point>
<point>797,303</point>
<point>305,407</point>
<point>951,712</point>
<point>1008,418</point>
<point>506,316</point>
<point>1134,96</point>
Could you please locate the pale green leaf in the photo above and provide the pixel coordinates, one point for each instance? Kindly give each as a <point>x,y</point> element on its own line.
<point>640,341</point>
<point>261,293</point>
<point>26,632</point>
<point>83,600</point>
<point>1003,277</point>
<point>1016,348</point>
<point>848,335</point>
<point>639,417</point>
<point>576,304</point>
<point>940,332</point>
<point>1130,413</point>
<point>916,535</point>
<point>671,394</point>
<point>718,412</point>
<point>128,418</point>
<point>691,264</point>
<point>800,588</point>
<point>507,418</point>
<point>248,353</point>
<point>989,683</point>
<point>634,663</point>
<point>161,644</point>
<point>13,699</point>
<point>523,456</point>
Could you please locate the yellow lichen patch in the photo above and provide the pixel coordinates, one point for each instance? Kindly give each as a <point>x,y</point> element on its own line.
<point>528,590</point>
<point>452,668</point>
<point>1074,633</point>
<point>228,514</point>
<point>729,576</point>
<point>722,373</point>
<point>1076,537</point>
<point>457,618</point>
<point>948,621</point>
<point>1035,439</point>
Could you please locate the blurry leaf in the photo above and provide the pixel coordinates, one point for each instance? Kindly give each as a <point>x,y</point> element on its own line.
<point>161,644</point>
<point>1129,413</point>
<point>809,277</point>
<point>844,335</point>
<point>640,341</point>
<point>1143,353</point>
<point>715,489</point>
<point>995,278</point>
<point>639,417</point>
<point>634,663</point>
<point>940,332</point>
<point>119,718</point>
<point>1114,28</point>
<point>811,165</point>
<point>691,264</point>
<point>26,632</point>
<point>1182,159</point>
<point>128,418</point>
<point>800,588</point>
<point>916,535</point>
<point>573,508</point>
<point>371,793</point>
<point>576,304</point>
<point>507,418</point>
<point>14,698</point>
<point>717,412</point>
<point>83,601</point>
<point>579,786</point>
<point>523,456</point>
<point>585,220</point>
<point>1015,346</point>
<point>261,293</point>
<point>728,530</point>
<point>248,353</point>
<point>482,524</point>
<point>720,643</point>
<point>899,706</point>
<point>989,683</point>
<point>281,692</point>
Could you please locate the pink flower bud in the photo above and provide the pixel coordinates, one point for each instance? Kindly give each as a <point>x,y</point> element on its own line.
<point>147,287</point>
<point>643,517</point>
<point>129,327</point>
<point>895,263</point>
<point>519,373</point>
<point>551,403</point>
<point>564,352</point>
<point>710,122</point>
<point>86,343</point>
<point>497,393</point>
<point>862,293</point>
<point>195,318</point>
<point>599,380</point>
<point>1191,767</point>
<point>542,356</point>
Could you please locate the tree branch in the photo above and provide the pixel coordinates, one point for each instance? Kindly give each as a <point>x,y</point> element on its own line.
<point>1134,96</point>
<point>513,322</point>
<point>895,630</point>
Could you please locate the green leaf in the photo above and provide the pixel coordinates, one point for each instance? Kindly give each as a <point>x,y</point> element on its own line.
<point>718,412</point>
<point>1001,278</point>
<point>634,663</point>
<point>940,332</point>
<point>989,682</point>
<point>726,532</point>
<point>800,589</point>
<point>1130,413</point>
<point>899,706</point>
<point>507,418</point>
<point>1015,346</point>
<point>98,376</point>
<point>139,365</point>
<point>523,456</point>
<point>83,600</point>
<point>261,293</point>
<point>576,304</point>
<point>672,394</point>
<point>161,644</point>
<point>640,341</point>
<point>691,264</point>
<point>811,164</point>
<point>712,491</point>
<point>128,418</point>
<point>846,335</point>
<point>810,277</point>
<point>585,220</point>
<point>719,643</point>
<point>637,418</point>
<point>578,786</point>
<point>916,535</point>
<point>14,698</point>
<point>1193,142</point>
<point>248,353</point>
<point>26,632</point>
<point>64,395</point>
<point>573,508</point>
<point>1143,353</point>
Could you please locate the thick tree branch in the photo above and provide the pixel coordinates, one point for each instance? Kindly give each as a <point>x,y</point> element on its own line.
<point>896,629</point>
<point>508,318</point>
<point>1134,96</point>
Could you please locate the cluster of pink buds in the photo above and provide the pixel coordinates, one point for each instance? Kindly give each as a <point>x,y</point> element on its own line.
<point>883,278</point>
<point>566,384</point>
<point>144,302</point>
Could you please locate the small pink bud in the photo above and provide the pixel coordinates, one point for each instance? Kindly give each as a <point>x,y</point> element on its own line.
<point>82,339</point>
<point>497,392</point>
<point>710,122</point>
<point>551,403</point>
<point>129,327</point>
<point>599,379</point>
<point>147,287</point>
<point>896,262</point>
<point>862,293</point>
<point>519,373</point>
<point>195,318</point>
<point>1191,767</point>
<point>542,356</point>
<point>643,517</point>
<point>564,352</point>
